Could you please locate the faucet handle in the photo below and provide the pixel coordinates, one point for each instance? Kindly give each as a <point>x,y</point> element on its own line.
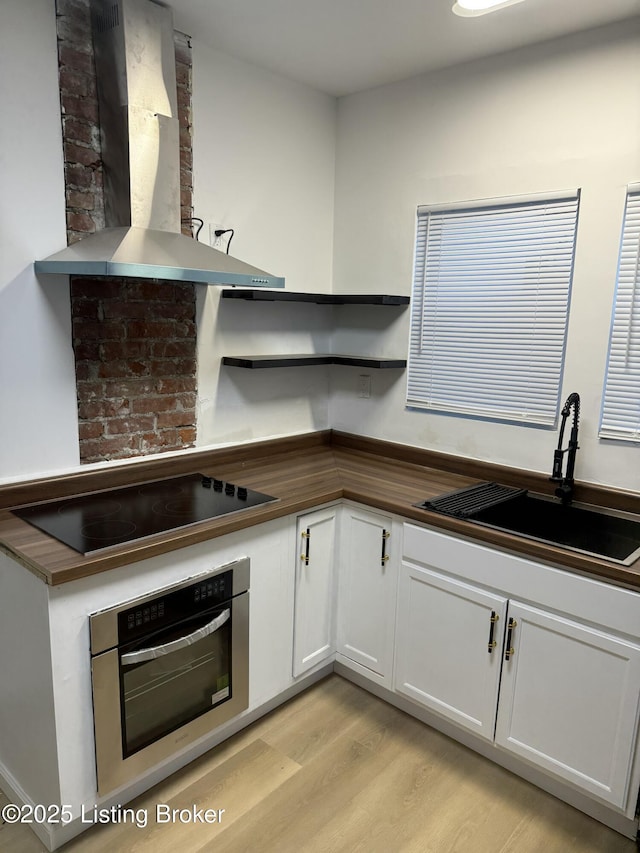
<point>556,475</point>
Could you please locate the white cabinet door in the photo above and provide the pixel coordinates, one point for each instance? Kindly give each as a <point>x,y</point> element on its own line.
<point>314,628</point>
<point>271,601</point>
<point>569,701</point>
<point>445,653</point>
<point>367,590</point>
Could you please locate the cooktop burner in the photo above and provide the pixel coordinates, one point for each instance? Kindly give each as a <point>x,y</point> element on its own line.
<point>93,522</point>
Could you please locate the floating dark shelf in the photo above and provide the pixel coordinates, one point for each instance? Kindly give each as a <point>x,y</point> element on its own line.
<point>254,362</point>
<point>318,298</point>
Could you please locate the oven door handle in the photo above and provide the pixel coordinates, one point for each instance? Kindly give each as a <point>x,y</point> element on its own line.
<point>181,643</point>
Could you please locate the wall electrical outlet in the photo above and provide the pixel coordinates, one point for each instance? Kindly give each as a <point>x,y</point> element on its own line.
<point>220,242</point>
<point>364,386</point>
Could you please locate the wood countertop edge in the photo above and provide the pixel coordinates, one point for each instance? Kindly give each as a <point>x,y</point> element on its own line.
<point>34,568</point>
<point>343,470</point>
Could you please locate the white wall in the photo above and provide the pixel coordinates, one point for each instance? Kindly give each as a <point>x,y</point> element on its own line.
<point>560,115</point>
<point>563,114</point>
<point>264,163</point>
<point>38,415</point>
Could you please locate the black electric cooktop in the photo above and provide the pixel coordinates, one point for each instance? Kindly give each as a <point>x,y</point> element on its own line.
<point>93,522</point>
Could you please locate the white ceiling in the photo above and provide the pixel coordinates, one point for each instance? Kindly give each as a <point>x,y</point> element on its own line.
<point>344,46</point>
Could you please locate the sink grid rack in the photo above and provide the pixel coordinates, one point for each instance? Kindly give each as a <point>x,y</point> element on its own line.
<point>464,503</point>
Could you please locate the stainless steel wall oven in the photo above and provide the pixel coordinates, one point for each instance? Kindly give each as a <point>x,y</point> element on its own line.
<point>166,669</point>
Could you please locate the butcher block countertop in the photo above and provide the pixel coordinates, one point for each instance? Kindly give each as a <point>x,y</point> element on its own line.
<point>302,472</point>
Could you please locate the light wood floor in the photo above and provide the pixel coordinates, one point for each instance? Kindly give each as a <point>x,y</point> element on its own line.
<point>336,769</point>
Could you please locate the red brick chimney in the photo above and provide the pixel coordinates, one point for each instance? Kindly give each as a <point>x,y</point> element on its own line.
<point>134,341</point>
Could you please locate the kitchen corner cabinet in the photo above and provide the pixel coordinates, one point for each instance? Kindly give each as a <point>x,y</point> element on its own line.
<point>483,641</point>
<point>367,584</point>
<point>315,590</point>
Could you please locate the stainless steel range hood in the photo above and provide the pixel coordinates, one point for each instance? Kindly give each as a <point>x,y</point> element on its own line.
<point>135,67</point>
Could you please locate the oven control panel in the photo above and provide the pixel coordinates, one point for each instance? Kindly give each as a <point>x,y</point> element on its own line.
<point>218,589</point>
<point>174,606</point>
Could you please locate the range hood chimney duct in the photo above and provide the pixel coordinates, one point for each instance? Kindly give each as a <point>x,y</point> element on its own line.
<point>137,96</point>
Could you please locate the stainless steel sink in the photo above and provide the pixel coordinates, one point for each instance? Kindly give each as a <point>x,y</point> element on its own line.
<point>589,529</point>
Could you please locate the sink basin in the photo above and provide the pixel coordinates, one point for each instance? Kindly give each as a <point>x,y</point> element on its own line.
<point>580,527</point>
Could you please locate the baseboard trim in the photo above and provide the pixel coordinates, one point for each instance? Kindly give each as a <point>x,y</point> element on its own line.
<point>16,794</point>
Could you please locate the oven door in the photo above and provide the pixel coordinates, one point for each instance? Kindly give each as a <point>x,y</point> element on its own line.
<point>168,689</point>
<point>170,678</point>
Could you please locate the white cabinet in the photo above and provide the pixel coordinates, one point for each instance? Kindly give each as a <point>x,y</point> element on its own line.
<point>271,608</point>
<point>448,647</point>
<point>561,687</point>
<point>314,613</point>
<point>369,549</point>
<point>569,700</point>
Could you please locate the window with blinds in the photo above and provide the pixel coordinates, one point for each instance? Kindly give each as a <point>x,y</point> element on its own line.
<point>621,401</point>
<point>490,307</point>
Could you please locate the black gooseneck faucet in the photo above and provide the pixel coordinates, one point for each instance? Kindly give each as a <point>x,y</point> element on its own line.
<point>565,488</point>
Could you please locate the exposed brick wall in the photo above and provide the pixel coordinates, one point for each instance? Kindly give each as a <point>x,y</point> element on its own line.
<point>135,366</point>
<point>184,85</point>
<point>80,121</point>
<point>134,341</point>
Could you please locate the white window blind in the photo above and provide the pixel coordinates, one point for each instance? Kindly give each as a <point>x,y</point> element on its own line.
<point>621,404</point>
<point>490,307</point>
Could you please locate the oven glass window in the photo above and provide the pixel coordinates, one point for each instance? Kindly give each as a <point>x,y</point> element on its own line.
<point>174,678</point>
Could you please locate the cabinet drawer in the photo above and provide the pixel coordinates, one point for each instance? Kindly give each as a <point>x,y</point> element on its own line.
<point>574,595</point>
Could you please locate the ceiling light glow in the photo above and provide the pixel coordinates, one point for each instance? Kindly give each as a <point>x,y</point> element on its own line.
<point>473,8</point>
